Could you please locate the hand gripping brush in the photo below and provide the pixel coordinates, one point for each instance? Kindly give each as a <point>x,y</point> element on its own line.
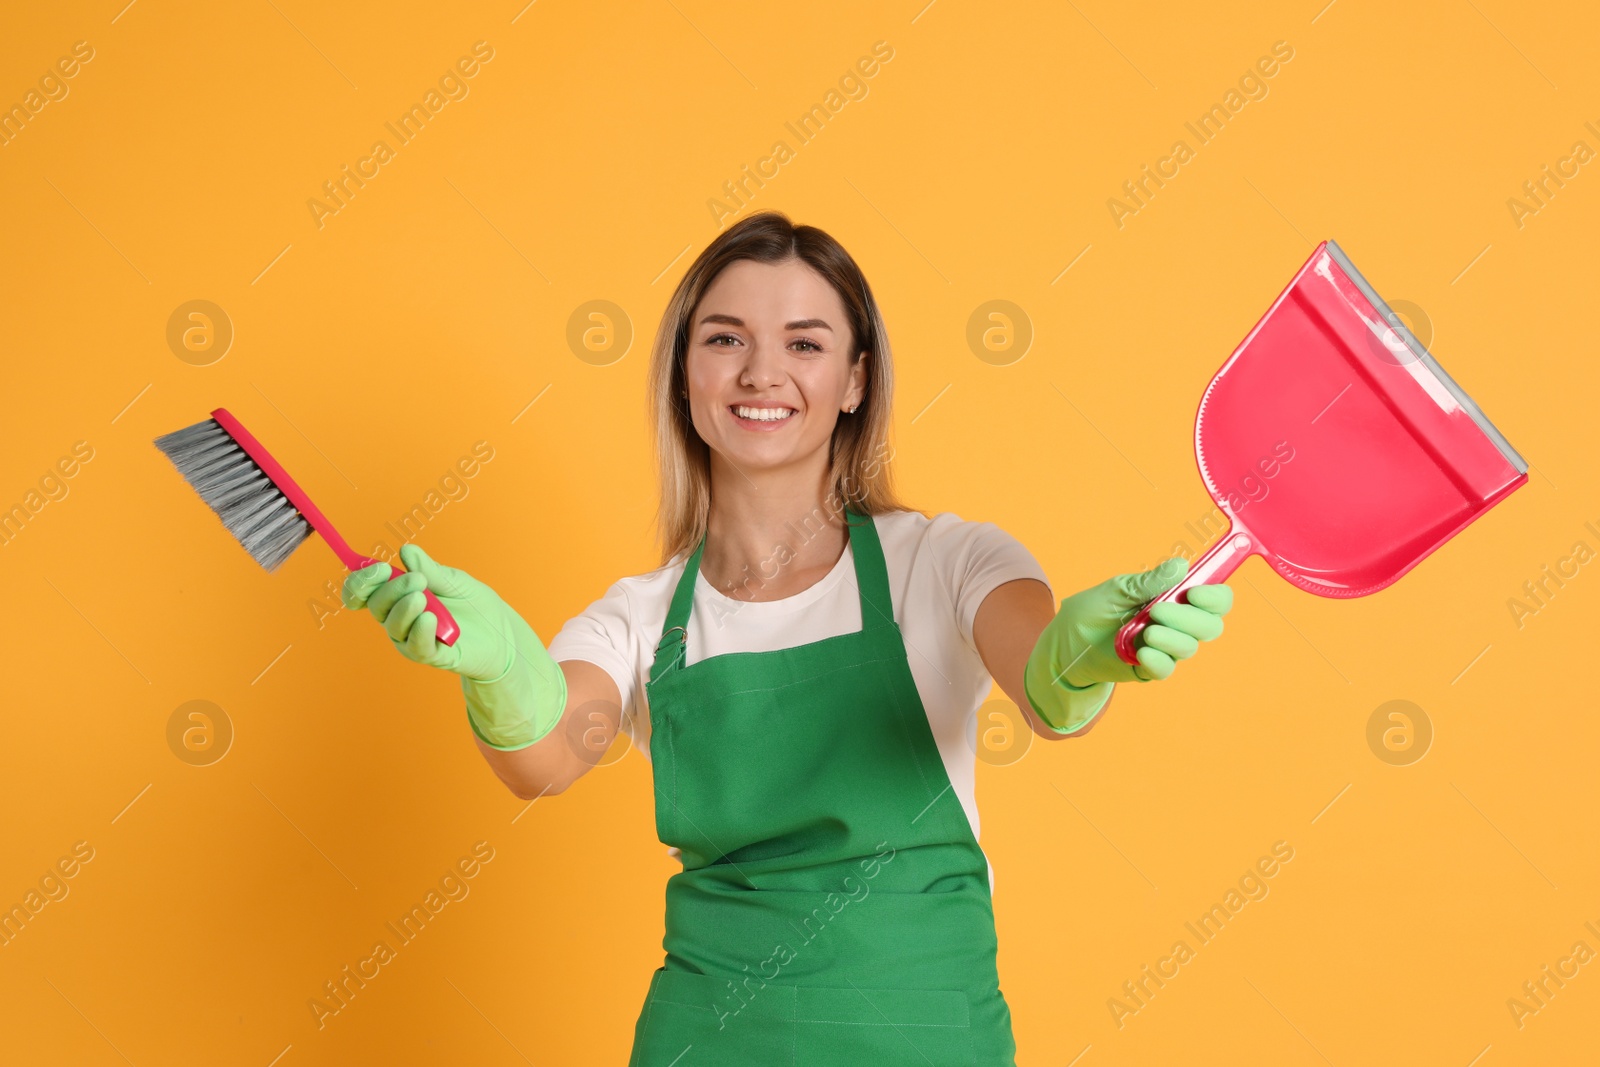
<point>260,504</point>
<point>1336,446</point>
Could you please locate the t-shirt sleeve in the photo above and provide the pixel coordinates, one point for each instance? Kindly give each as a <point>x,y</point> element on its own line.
<point>602,634</point>
<point>974,558</point>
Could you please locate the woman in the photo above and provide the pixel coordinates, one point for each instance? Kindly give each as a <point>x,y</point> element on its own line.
<point>803,672</point>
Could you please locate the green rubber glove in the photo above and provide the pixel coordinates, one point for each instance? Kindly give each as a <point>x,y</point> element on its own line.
<point>515,692</point>
<point>1074,665</point>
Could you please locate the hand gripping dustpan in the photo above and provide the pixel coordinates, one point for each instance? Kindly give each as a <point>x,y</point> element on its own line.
<point>1338,448</point>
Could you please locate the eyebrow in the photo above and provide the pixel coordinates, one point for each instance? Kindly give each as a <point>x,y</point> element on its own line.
<point>797,324</point>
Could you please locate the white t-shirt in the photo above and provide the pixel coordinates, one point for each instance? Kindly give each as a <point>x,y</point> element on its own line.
<point>940,570</point>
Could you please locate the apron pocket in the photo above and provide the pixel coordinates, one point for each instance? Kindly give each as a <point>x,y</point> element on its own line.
<point>882,1027</point>
<point>699,1014</point>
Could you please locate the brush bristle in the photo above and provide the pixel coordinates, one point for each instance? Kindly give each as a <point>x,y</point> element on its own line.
<point>259,516</point>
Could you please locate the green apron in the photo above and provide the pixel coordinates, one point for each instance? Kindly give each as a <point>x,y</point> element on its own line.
<point>834,905</point>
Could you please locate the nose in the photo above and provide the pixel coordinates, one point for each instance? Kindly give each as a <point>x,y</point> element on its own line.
<point>763,365</point>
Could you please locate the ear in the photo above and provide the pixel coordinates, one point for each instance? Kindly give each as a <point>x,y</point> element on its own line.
<point>858,382</point>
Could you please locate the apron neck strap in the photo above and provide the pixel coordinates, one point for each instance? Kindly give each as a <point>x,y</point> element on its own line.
<point>872,582</point>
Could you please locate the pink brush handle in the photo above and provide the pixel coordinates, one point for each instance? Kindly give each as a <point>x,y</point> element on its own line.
<point>1215,566</point>
<point>448,630</point>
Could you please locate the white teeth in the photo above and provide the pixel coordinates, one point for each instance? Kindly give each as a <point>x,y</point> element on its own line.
<point>762,414</point>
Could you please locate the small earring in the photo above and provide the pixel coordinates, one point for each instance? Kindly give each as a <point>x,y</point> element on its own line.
<point>852,410</point>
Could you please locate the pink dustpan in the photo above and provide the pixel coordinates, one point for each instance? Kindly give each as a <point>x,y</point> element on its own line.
<point>1339,449</point>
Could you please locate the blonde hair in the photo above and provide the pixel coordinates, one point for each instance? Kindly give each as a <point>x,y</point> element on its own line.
<point>858,452</point>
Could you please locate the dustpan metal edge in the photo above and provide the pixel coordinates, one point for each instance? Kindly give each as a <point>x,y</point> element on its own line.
<point>1393,321</point>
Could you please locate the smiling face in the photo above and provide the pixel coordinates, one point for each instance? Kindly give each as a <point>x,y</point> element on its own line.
<point>769,365</point>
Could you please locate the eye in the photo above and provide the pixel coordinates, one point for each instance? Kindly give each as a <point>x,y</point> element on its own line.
<point>808,341</point>
<point>712,340</point>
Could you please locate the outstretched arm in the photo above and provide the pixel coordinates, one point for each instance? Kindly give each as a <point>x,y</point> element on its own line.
<point>1006,629</point>
<point>588,724</point>
<point>1059,667</point>
<point>539,724</point>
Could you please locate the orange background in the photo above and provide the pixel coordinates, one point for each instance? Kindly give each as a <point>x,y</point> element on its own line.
<point>372,352</point>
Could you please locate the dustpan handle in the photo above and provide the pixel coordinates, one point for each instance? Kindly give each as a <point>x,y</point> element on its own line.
<point>1215,566</point>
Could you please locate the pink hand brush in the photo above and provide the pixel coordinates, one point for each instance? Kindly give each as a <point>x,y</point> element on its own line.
<point>260,504</point>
